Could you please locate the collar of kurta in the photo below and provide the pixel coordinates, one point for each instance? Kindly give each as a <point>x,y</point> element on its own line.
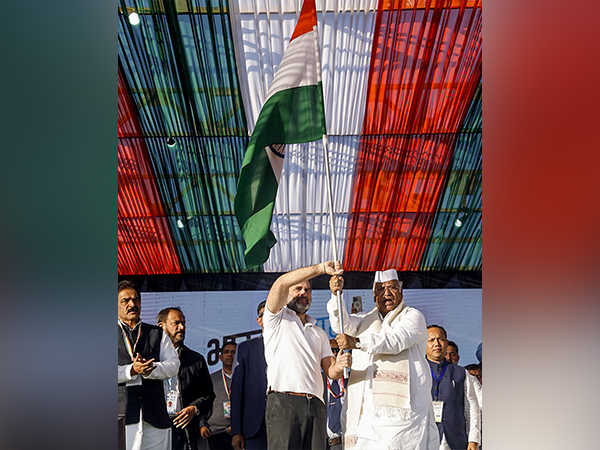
<point>438,366</point>
<point>126,327</point>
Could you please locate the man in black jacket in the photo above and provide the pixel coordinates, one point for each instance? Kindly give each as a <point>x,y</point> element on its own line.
<point>191,391</point>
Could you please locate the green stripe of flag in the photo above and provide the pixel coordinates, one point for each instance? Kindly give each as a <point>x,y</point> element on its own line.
<point>290,116</point>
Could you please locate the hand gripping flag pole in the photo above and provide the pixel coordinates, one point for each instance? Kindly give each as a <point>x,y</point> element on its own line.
<point>329,193</point>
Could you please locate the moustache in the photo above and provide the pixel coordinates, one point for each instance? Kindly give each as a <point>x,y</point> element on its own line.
<point>133,309</point>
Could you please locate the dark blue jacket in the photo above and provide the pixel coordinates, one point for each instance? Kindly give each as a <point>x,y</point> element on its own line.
<point>249,388</point>
<point>452,393</point>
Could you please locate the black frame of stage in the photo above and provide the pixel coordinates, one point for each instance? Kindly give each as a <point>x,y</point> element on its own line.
<point>261,281</point>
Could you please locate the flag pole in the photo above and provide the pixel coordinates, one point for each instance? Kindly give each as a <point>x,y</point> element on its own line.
<point>329,191</point>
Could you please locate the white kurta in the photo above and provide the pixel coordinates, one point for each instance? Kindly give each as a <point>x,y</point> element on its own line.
<point>142,435</point>
<point>387,427</point>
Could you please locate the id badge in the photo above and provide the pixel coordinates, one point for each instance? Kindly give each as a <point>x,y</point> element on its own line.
<point>172,402</point>
<point>437,410</point>
<point>227,410</point>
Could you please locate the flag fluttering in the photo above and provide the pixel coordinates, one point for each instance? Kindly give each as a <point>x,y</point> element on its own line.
<point>292,113</point>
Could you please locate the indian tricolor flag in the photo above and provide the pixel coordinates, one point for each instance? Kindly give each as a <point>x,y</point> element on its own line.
<point>292,113</point>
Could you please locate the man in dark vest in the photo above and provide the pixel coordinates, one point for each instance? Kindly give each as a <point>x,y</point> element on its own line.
<point>191,390</point>
<point>455,403</point>
<point>146,358</point>
<point>249,393</point>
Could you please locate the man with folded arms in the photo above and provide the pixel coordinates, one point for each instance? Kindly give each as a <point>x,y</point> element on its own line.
<point>296,350</point>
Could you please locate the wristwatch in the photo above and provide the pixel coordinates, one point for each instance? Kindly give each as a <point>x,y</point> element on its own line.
<point>357,345</point>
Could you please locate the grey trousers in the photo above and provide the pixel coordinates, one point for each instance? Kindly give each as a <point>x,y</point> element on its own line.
<point>295,423</point>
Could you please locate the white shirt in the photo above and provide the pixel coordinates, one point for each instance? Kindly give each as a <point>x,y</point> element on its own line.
<point>478,391</point>
<point>293,352</point>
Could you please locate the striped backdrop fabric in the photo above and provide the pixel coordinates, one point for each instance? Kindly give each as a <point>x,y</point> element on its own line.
<point>402,93</point>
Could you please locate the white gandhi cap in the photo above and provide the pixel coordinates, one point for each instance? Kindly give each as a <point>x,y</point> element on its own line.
<point>386,275</point>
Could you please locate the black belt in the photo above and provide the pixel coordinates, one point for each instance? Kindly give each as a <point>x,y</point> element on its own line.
<point>335,440</point>
<point>296,394</point>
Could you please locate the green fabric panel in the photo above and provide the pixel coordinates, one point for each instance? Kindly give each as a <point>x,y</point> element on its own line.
<point>198,177</point>
<point>179,63</point>
<point>459,248</point>
<point>166,62</point>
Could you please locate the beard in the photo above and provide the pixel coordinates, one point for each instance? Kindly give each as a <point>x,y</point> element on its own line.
<point>177,338</point>
<point>299,308</point>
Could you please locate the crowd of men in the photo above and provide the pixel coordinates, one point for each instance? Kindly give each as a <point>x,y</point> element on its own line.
<point>289,388</point>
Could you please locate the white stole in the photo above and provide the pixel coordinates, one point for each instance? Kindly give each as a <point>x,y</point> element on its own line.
<point>391,380</point>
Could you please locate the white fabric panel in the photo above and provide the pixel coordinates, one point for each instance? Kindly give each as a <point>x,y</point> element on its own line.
<point>301,217</point>
<point>346,43</point>
<point>261,32</point>
<point>261,6</point>
<point>346,39</point>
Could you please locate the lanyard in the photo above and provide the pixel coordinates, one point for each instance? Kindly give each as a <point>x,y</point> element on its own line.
<point>225,384</point>
<point>127,341</point>
<point>174,383</point>
<point>342,390</point>
<point>438,380</point>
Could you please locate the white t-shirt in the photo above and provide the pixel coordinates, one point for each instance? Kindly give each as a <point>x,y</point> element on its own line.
<point>293,352</point>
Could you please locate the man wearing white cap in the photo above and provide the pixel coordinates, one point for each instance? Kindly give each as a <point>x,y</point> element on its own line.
<point>389,392</point>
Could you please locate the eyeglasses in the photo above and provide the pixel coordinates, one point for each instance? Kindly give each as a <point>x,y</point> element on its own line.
<point>261,314</point>
<point>392,288</point>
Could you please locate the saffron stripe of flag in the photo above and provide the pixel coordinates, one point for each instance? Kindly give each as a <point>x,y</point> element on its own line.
<point>293,113</point>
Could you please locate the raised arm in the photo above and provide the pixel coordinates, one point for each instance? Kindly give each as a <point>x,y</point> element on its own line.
<point>351,323</point>
<point>278,294</point>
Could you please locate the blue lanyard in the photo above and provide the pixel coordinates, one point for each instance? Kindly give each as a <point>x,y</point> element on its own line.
<point>438,380</point>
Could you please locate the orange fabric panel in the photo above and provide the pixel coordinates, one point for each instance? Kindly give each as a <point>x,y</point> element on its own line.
<point>398,184</point>
<point>425,67</point>
<point>144,238</point>
<point>421,4</point>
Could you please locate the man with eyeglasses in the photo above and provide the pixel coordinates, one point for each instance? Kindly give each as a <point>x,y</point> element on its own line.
<point>249,392</point>
<point>389,399</point>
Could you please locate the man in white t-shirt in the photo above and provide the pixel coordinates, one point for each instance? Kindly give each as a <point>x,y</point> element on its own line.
<point>296,350</point>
